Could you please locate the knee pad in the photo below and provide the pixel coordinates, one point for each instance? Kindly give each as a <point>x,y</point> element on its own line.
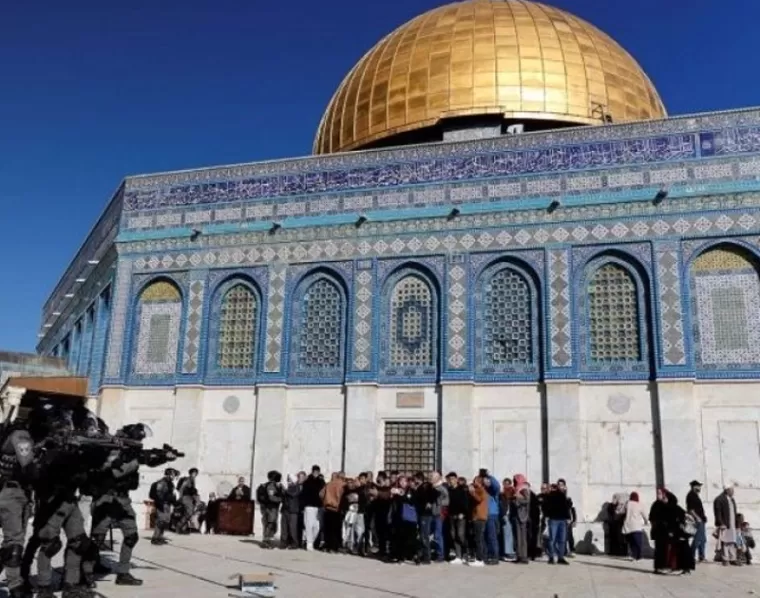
<point>51,547</point>
<point>131,540</point>
<point>79,545</point>
<point>11,555</point>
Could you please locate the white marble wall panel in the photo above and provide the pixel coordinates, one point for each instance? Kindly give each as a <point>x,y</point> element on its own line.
<point>314,429</point>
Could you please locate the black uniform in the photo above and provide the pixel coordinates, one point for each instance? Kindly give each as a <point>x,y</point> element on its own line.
<point>17,470</point>
<point>162,495</point>
<point>112,507</point>
<point>58,510</point>
<point>188,496</point>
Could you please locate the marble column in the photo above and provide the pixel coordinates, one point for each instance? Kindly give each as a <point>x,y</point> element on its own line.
<point>270,442</point>
<point>564,438</point>
<point>680,433</point>
<point>458,449</point>
<point>361,433</point>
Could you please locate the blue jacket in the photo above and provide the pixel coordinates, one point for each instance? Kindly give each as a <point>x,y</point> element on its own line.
<point>493,497</point>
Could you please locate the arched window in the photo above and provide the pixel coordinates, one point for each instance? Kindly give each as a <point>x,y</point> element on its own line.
<point>507,320</point>
<point>411,323</point>
<point>320,338</point>
<point>158,322</point>
<point>726,289</point>
<point>238,318</point>
<point>613,313</point>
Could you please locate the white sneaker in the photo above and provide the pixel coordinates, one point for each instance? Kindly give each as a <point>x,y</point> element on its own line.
<point>455,562</point>
<point>476,564</point>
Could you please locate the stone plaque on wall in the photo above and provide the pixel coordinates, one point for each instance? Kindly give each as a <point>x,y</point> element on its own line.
<point>410,400</point>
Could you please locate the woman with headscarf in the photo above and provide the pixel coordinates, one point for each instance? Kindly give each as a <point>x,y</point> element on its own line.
<point>521,516</point>
<point>615,519</point>
<point>682,560</point>
<point>633,526</point>
<point>660,517</point>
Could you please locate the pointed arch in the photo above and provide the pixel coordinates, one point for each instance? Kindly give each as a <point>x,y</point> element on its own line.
<point>614,313</point>
<point>725,292</point>
<point>507,312</point>
<point>235,328</point>
<point>411,323</point>
<point>318,327</point>
<point>158,317</point>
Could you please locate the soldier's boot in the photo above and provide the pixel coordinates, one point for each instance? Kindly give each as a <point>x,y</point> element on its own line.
<point>127,579</point>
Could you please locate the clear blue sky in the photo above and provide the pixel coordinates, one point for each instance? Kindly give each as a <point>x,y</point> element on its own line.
<point>91,91</point>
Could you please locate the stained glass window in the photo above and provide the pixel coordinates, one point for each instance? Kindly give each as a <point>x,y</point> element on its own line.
<point>237,329</point>
<point>411,323</point>
<point>321,333</point>
<point>614,333</point>
<point>507,331</point>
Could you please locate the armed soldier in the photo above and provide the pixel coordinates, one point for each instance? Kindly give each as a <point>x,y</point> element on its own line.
<point>188,494</point>
<point>17,472</point>
<point>162,495</point>
<point>63,465</point>
<point>111,504</point>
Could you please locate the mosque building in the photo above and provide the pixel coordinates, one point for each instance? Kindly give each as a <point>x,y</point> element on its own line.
<point>503,253</point>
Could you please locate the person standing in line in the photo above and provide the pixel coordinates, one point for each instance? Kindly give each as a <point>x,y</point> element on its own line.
<point>404,523</point>
<point>459,507</point>
<point>506,507</point>
<point>633,526</point>
<point>480,498</point>
<point>291,504</point>
<point>724,508</point>
<point>491,484</point>
<point>557,515</point>
<point>311,503</point>
<point>381,514</point>
<point>332,496</point>
<point>696,509</point>
<point>439,511</point>
<point>522,515</point>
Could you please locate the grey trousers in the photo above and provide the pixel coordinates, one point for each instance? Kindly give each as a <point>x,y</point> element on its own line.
<point>521,541</point>
<point>115,511</point>
<point>68,518</point>
<point>14,516</point>
<point>289,529</point>
<point>163,520</point>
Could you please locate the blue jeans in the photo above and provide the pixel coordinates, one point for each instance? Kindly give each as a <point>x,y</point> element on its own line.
<point>426,527</point>
<point>438,535</point>
<point>508,541</point>
<point>557,538</point>
<point>699,541</point>
<point>492,538</point>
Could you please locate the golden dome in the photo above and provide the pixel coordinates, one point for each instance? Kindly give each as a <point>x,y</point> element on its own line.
<point>521,59</point>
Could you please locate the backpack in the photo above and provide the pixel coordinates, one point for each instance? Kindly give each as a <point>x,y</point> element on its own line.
<point>262,496</point>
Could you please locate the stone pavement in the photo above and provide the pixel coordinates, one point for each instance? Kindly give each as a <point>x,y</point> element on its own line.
<point>202,567</point>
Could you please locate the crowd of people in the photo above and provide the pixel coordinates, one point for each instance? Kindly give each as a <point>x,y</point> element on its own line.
<point>419,518</point>
<point>427,518</point>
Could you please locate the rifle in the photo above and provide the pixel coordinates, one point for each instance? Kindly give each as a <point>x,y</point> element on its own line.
<point>158,456</point>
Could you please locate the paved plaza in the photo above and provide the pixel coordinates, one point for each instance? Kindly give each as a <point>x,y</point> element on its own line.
<point>203,567</point>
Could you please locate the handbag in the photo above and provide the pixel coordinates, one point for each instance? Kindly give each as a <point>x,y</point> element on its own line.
<point>689,525</point>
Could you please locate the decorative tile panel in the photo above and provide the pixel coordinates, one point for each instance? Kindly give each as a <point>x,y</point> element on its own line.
<point>457,320</point>
<point>192,344</point>
<point>120,302</point>
<point>275,316</point>
<point>157,338</point>
<point>671,312</point>
<point>363,298</point>
<point>613,316</point>
<point>560,335</point>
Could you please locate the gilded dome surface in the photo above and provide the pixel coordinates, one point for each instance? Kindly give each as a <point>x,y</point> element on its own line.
<point>516,58</point>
